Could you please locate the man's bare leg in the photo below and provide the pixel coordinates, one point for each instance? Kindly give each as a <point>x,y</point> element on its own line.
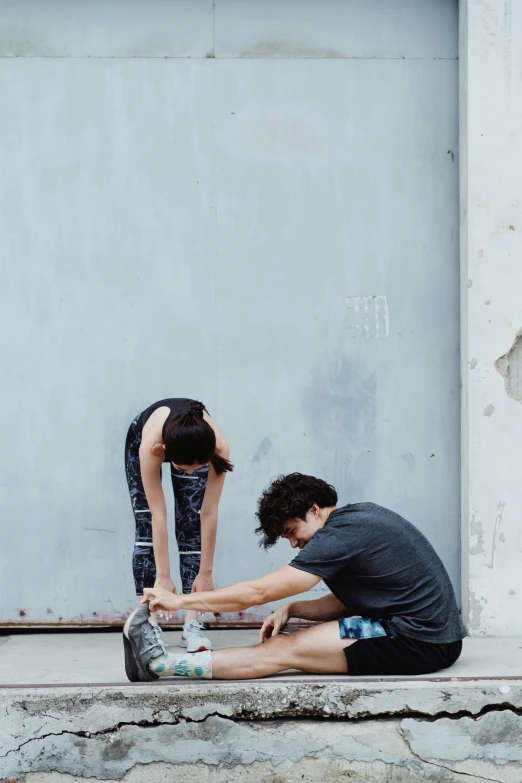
<point>316,650</point>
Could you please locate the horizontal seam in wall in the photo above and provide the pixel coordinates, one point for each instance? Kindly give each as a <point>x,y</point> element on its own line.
<point>202,57</point>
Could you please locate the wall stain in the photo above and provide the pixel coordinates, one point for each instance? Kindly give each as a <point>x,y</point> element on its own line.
<point>262,450</point>
<point>286,49</point>
<point>341,409</point>
<point>409,459</point>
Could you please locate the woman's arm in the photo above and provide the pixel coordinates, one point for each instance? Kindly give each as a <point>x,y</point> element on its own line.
<point>209,518</point>
<point>209,514</point>
<point>150,466</point>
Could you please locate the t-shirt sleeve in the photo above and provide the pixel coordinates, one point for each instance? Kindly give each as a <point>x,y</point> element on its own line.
<point>324,555</point>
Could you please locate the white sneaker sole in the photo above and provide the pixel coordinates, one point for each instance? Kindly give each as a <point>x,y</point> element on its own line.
<point>128,622</point>
<point>201,648</point>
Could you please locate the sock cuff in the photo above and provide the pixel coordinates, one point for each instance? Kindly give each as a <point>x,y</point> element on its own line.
<point>192,665</point>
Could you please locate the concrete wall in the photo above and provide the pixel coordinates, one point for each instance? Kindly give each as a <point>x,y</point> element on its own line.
<point>270,732</point>
<point>254,203</point>
<point>491,286</point>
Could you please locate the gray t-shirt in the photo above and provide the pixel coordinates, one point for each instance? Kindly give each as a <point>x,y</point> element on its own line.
<point>380,566</point>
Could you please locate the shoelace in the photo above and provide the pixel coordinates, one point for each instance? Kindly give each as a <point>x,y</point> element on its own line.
<point>197,629</point>
<point>153,635</point>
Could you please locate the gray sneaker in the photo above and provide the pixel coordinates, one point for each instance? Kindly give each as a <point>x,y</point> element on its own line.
<point>142,642</point>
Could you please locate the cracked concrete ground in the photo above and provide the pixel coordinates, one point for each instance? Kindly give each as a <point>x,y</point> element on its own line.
<point>458,727</point>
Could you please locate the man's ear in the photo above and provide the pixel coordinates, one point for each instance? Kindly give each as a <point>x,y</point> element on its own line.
<point>315,509</point>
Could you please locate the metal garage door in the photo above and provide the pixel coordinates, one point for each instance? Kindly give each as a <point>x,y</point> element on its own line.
<point>253,202</point>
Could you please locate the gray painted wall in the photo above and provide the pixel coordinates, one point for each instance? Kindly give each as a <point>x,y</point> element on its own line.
<point>193,196</point>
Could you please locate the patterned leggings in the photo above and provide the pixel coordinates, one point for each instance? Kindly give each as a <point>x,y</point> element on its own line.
<point>188,496</point>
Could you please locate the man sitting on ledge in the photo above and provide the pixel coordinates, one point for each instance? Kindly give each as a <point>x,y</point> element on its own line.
<point>391,609</point>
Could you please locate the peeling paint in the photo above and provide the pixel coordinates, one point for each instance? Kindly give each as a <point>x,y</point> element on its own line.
<point>476,530</point>
<point>510,368</point>
<point>475,610</point>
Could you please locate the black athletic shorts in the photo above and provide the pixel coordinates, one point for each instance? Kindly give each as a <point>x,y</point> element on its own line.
<point>399,655</point>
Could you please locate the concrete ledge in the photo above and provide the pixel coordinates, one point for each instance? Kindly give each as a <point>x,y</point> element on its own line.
<point>464,725</point>
<point>439,729</point>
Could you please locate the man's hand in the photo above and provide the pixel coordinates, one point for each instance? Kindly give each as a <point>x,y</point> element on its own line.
<point>161,599</point>
<point>167,584</point>
<point>275,622</point>
<point>202,583</point>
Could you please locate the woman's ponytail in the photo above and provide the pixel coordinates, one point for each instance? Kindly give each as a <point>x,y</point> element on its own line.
<point>221,465</point>
<point>190,440</point>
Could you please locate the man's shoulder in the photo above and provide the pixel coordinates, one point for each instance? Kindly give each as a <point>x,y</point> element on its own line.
<point>355,511</point>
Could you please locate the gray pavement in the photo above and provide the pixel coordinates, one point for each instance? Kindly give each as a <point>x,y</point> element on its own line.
<point>96,658</point>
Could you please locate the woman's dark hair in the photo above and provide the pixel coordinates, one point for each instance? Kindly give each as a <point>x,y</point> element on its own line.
<point>190,440</point>
<point>290,497</point>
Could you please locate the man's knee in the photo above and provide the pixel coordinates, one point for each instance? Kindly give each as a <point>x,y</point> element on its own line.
<point>281,645</point>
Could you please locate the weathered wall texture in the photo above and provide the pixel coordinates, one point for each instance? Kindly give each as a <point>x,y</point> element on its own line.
<point>273,732</point>
<point>254,202</point>
<point>491,191</point>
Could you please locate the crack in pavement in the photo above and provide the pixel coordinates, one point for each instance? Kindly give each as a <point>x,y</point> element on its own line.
<point>443,766</point>
<point>146,724</point>
<point>385,716</point>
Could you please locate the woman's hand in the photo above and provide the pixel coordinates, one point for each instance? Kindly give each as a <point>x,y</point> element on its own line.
<point>202,583</point>
<point>275,622</point>
<point>161,599</point>
<point>166,583</point>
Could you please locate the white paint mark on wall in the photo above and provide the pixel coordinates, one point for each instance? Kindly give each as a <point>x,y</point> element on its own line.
<point>498,522</point>
<point>368,316</point>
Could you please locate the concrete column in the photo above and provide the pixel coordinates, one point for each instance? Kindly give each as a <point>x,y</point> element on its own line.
<point>491,285</point>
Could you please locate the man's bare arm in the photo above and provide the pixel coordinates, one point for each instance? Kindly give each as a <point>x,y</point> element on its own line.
<point>279,584</point>
<point>326,608</point>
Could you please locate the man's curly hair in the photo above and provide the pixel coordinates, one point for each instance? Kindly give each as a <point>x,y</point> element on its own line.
<point>290,497</point>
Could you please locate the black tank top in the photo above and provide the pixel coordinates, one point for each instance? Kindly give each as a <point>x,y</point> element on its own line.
<point>176,405</point>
